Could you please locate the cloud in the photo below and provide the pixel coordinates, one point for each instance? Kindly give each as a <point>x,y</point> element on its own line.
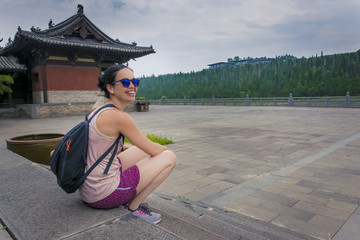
<point>187,35</point>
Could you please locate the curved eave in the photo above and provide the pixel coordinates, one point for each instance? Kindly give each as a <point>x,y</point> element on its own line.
<point>10,65</point>
<point>23,38</point>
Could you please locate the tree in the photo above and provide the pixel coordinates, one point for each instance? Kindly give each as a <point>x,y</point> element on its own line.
<point>304,77</point>
<point>4,81</point>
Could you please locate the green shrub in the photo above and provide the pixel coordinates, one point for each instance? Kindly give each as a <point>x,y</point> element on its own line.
<point>4,81</point>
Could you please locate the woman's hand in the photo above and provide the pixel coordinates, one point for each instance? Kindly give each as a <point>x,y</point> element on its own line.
<point>126,146</point>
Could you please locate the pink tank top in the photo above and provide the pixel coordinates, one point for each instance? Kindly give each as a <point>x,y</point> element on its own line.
<point>99,185</point>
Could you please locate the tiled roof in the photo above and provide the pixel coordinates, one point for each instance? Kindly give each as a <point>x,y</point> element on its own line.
<point>84,44</point>
<point>9,64</point>
<point>75,33</point>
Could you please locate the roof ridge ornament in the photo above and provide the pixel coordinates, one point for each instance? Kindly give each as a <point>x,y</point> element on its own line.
<point>51,24</point>
<point>80,9</point>
<point>33,29</point>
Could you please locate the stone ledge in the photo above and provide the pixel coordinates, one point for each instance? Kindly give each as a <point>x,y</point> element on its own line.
<point>51,110</point>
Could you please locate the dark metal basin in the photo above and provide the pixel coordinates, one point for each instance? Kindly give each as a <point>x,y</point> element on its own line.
<point>35,147</point>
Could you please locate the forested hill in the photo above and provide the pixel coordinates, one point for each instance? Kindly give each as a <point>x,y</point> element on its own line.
<point>330,75</point>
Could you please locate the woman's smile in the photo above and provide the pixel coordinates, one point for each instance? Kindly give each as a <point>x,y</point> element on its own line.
<point>131,93</point>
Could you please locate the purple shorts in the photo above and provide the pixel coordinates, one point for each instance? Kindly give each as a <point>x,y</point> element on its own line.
<point>124,193</point>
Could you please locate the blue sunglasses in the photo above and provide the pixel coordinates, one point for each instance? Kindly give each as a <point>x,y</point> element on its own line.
<point>126,82</point>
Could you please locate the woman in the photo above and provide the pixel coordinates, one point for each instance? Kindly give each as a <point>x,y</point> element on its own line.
<point>138,169</point>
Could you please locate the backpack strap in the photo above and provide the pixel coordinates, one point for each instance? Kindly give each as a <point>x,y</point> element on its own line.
<point>97,111</point>
<point>115,144</point>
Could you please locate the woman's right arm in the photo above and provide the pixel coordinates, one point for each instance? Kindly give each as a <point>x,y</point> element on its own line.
<point>114,122</point>
<point>127,126</point>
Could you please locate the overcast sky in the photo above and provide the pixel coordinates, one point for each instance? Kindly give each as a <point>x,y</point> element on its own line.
<point>187,35</point>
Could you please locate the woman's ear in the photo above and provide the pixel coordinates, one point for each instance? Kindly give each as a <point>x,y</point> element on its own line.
<point>110,88</point>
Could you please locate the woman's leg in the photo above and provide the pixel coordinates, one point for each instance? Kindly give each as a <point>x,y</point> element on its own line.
<point>153,171</point>
<point>132,156</point>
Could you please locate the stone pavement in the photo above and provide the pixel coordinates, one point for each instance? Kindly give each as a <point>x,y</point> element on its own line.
<point>296,168</point>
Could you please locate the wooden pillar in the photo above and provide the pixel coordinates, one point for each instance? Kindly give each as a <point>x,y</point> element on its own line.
<point>10,98</point>
<point>44,83</point>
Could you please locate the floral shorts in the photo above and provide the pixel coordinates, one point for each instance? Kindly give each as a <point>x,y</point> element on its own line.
<point>124,193</point>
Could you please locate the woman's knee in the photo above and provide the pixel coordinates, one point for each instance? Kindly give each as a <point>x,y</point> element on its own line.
<point>170,157</point>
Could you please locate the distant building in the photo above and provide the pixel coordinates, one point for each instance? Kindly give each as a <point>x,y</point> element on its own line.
<point>62,63</point>
<point>240,62</point>
<point>219,65</point>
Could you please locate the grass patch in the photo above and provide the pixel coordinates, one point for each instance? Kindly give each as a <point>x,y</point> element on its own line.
<point>159,139</point>
<point>155,138</point>
<point>183,198</point>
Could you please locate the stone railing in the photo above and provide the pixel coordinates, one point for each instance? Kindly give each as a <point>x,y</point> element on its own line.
<point>337,101</point>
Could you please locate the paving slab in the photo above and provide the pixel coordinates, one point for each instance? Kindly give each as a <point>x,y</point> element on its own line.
<point>350,229</point>
<point>277,154</point>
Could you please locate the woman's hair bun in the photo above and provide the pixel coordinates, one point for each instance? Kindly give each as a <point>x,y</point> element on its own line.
<point>101,83</point>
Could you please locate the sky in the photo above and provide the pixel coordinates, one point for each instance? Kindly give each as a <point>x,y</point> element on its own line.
<point>187,35</point>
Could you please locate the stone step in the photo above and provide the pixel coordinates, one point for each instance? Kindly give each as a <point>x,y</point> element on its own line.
<point>32,206</point>
<point>185,220</point>
<point>189,219</point>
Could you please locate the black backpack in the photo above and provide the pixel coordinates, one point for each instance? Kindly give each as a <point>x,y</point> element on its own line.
<point>68,161</point>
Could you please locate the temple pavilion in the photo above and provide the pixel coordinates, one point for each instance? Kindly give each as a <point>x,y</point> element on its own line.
<point>62,63</point>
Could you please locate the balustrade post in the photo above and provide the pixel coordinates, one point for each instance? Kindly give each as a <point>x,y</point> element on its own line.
<point>291,100</point>
<point>212,100</point>
<point>247,100</point>
<point>185,102</point>
<point>347,99</point>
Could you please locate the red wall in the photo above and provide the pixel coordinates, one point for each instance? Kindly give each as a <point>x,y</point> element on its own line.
<point>71,78</point>
<point>36,82</point>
